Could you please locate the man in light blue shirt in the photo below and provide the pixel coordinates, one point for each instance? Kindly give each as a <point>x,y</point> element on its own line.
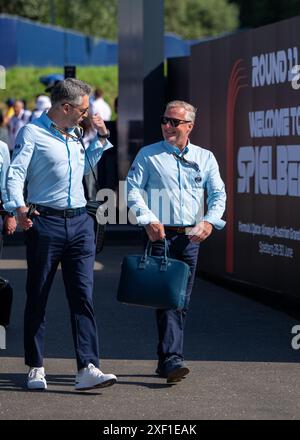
<point>50,158</point>
<point>166,186</point>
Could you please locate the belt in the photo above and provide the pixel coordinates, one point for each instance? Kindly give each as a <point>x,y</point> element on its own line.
<point>64,213</point>
<point>178,229</point>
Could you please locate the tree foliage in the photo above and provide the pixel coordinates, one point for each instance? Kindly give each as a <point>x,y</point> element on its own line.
<point>186,18</point>
<point>91,17</point>
<point>33,9</point>
<point>197,18</point>
<point>256,13</point>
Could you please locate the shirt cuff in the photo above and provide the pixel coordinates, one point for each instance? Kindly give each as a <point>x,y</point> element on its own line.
<point>217,223</point>
<point>12,205</point>
<point>145,219</point>
<point>96,143</point>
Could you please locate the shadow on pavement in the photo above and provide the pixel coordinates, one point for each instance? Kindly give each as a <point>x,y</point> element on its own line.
<point>221,326</point>
<point>16,382</point>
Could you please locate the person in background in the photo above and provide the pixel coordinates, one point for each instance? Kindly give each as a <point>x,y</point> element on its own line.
<point>9,111</point>
<point>18,120</point>
<point>26,111</point>
<point>4,136</point>
<point>182,171</point>
<point>89,183</point>
<point>42,103</point>
<point>99,105</point>
<point>7,219</point>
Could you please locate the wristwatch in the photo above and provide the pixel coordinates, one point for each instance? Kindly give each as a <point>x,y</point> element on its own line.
<point>104,136</point>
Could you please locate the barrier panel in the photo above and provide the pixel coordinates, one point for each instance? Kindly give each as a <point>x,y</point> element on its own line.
<point>249,115</point>
<point>26,43</point>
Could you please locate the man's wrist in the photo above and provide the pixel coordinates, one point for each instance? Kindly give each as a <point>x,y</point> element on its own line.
<point>103,135</point>
<point>21,209</point>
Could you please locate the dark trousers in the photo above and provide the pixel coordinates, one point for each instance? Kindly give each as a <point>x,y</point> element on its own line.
<point>1,235</point>
<point>170,323</point>
<point>69,241</point>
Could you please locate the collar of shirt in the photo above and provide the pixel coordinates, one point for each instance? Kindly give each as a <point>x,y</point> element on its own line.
<point>53,173</point>
<point>173,149</point>
<point>47,122</point>
<point>183,187</point>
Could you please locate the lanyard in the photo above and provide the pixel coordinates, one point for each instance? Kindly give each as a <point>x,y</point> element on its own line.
<point>187,162</point>
<point>69,135</point>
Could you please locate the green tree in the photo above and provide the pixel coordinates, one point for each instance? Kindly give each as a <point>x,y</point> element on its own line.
<point>256,13</point>
<point>92,17</point>
<point>33,9</point>
<point>197,18</point>
<point>187,18</point>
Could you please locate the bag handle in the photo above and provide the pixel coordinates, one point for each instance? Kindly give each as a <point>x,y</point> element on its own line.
<point>148,252</point>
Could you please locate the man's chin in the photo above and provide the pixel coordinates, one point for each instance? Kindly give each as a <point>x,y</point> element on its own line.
<point>170,139</point>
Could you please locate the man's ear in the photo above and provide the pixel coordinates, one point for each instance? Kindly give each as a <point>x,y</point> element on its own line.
<point>65,108</point>
<point>191,126</point>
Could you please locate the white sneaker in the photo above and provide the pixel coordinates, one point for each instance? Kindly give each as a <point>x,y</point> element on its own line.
<point>36,379</point>
<point>91,377</point>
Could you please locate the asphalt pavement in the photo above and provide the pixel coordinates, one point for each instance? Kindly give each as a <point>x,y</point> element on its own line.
<point>239,351</point>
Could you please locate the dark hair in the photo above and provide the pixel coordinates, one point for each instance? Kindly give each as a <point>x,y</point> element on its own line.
<point>70,90</point>
<point>9,102</point>
<point>98,93</point>
<point>1,117</point>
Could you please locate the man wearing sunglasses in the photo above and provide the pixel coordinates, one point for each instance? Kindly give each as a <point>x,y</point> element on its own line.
<point>165,185</point>
<point>58,229</point>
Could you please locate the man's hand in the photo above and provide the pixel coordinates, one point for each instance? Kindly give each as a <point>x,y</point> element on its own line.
<point>98,124</point>
<point>24,222</point>
<point>10,225</point>
<point>200,232</point>
<point>155,231</point>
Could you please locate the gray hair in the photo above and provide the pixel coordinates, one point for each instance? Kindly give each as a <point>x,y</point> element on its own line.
<point>191,110</point>
<point>70,90</point>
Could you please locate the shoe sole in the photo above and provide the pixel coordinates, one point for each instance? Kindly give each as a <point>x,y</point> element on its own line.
<point>107,383</point>
<point>177,375</point>
<point>37,388</point>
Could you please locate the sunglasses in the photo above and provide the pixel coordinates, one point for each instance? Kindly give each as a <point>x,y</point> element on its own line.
<point>81,110</point>
<point>164,120</point>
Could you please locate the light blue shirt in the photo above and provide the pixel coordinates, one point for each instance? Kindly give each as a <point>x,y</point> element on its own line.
<point>162,188</point>
<point>4,164</point>
<point>52,165</point>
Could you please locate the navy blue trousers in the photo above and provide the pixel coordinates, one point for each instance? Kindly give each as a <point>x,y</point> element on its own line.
<point>170,323</point>
<point>69,241</point>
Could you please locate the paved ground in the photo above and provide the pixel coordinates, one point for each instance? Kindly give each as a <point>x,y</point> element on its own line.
<point>239,351</point>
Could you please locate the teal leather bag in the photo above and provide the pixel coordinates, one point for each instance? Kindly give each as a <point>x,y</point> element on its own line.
<point>151,281</point>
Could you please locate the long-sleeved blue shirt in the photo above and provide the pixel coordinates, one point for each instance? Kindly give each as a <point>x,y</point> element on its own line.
<point>52,165</point>
<point>4,164</point>
<point>162,188</point>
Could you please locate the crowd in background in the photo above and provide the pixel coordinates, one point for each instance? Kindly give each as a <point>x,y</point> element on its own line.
<point>16,115</point>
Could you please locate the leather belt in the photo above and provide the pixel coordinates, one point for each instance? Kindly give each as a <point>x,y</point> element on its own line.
<point>63,213</point>
<point>177,229</point>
